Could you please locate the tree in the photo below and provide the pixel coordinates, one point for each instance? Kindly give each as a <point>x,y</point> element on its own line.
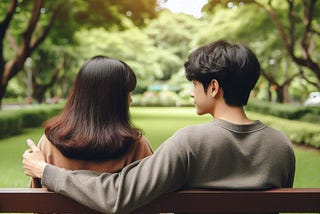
<point>225,23</point>
<point>133,46</point>
<point>278,84</point>
<point>30,39</point>
<point>64,16</point>
<point>299,30</point>
<point>172,33</point>
<point>54,64</point>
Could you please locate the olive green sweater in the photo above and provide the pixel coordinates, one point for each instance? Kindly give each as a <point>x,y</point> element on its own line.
<point>217,155</point>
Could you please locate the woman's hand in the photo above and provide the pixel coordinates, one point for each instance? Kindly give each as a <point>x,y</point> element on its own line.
<point>33,161</point>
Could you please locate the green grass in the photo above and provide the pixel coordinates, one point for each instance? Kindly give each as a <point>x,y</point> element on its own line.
<point>158,124</point>
<point>11,150</point>
<point>308,167</point>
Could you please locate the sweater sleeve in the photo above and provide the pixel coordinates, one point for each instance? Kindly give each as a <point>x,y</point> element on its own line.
<point>136,185</point>
<point>291,168</point>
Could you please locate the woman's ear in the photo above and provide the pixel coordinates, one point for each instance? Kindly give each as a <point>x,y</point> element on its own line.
<point>214,88</point>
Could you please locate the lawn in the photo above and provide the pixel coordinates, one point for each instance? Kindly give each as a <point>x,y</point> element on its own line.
<point>158,124</point>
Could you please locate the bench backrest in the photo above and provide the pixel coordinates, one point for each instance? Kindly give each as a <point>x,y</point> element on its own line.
<point>193,200</point>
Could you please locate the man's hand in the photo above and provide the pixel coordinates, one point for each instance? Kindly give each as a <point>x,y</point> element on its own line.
<point>33,161</point>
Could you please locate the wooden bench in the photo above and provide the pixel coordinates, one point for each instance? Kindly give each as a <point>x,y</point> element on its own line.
<point>284,200</point>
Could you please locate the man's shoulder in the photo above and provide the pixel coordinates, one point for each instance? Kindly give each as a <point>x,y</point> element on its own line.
<point>196,128</point>
<point>275,133</point>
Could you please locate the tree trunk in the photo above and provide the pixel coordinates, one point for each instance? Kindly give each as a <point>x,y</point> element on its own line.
<point>280,96</point>
<point>2,92</point>
<point>38,94</point>
<point>269,94</point>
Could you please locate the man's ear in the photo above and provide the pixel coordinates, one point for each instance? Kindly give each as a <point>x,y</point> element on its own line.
<point>214,88</point>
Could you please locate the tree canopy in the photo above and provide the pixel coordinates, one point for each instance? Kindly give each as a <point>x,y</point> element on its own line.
<point>155,42</point>
<point>26,24</point>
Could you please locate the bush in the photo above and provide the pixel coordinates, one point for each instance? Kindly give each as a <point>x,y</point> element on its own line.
<point>14,121</point>
<point>298,132</point>
<point>151,98</point>
<point>10,124</point>
<point>287,111</point>
<point>34,117</point>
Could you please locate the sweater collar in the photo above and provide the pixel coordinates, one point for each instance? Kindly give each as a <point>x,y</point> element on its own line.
<point>240,128</point>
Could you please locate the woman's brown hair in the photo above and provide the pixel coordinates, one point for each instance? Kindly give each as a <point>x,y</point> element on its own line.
<point>95,122</point>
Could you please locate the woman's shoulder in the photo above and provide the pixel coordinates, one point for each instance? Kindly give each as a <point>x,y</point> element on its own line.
<point>46,146</point>
<point>140,149</point>
<point>144,143</point>
<point>44,142</point>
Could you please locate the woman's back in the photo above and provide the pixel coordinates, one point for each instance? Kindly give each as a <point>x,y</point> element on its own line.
<point>137,151</point>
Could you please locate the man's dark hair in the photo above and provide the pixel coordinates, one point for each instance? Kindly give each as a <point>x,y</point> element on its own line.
<point>234,66</point>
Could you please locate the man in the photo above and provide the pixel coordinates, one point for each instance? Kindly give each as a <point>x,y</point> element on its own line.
<point>230,152</point>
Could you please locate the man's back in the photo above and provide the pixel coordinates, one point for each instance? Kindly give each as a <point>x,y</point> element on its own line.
<point>230,156</point>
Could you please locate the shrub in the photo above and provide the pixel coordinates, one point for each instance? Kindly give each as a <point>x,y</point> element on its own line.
<point>151,98</point>
<point>287,111</point>
<point>10,124</point>
<point>14,121</point>
<point>298,132</point>
<point>35,116</point>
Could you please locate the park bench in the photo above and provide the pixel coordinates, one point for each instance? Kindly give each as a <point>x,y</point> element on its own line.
<point>285,200</point>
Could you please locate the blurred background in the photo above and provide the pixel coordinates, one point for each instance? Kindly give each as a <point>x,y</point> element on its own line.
<point>43,44</point>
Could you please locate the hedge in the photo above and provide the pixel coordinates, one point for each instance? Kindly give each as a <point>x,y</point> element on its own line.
<point>10,123</point>
<point>303,133</point>
<point>287,111</point>
<point>13,122</point>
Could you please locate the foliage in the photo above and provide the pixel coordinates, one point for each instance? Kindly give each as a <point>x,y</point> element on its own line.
<point>110,13</point>
<point>52,65</point>
<point>298,132</point>
<point>23,36</point>
<point>173,32</point>
<point>17,86</point>
<point>297,24</point>
<point>277,70</point>
<point>309,135</point>
<point>34,117</point>
<point>132,46</point>
<point>15,121</point>
<point>10,124</point>
<point>152,98</point>
<point>157,43</point>
<point>287,111</point>
<point>26,24</point>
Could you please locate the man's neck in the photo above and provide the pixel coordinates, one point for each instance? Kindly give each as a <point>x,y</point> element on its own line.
<point>232,114</point>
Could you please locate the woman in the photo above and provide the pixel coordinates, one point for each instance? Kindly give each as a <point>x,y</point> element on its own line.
<point>94,131</point>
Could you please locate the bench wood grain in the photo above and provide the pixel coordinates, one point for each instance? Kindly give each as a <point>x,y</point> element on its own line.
<point>284,200</point>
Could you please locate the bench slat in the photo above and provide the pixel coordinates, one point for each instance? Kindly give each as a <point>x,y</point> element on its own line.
<point>277,200</point>
<point>38,200</point>
<point>192,200</point>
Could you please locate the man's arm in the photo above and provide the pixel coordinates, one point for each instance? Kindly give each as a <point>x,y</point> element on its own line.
<point>136,185</point>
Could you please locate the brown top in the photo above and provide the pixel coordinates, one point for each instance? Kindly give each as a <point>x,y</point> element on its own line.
<point>53,156</point>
